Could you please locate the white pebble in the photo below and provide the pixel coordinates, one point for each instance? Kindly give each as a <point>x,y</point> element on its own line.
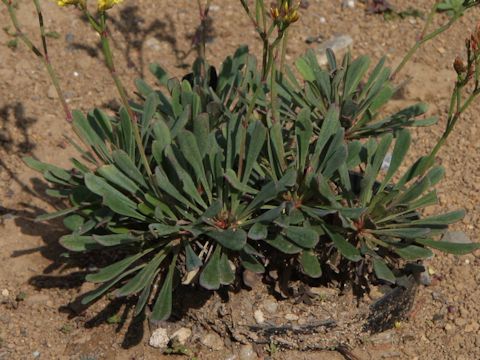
<point>159,338</point>
<point>291,317</point>
<point>182,335</point>
<point>259,317</point>
<point>5,293</point>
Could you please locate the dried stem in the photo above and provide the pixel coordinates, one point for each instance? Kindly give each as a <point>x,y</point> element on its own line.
<point>109,62</point>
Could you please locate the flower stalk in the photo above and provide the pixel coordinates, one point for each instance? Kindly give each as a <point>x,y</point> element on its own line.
<point>44,58</point>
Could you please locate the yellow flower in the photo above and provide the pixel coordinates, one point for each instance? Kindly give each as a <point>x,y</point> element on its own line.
<point>70,2</point>
<point>107,4</point>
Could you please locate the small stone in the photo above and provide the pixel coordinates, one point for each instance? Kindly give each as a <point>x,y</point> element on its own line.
<point>159,339</point>
<point>452,309</point>
<point>247,352</point>
<point>322,20</point>
<point>51,92</point>
<point>36,354</point>
<point>473,327</point>
<point>212,341</point>
<point>449,327</point>
<point>250,279</point>
<point>37,299</point>
<point>348,4</point>
<point>259,317</point>
<point>339,45</point>
<point>214,8</point>
<point>5,293</point>
<point>270,306</point>
<point>457,237</point>
<point>441,50</point>
<point>182,335</point>
<point>153,43</point>
<point>385,337</point>
<point>291,317</point>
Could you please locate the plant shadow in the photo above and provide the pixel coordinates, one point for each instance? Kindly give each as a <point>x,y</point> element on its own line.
<point>136,34</point>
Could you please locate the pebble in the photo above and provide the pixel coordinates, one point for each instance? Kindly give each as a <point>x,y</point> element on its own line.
<point>270,306</point>
<point>247,353</point>
<point>153,44</point>
<point>457,237</point>
<point>259,317</point>
<point>36,299</point>
<point>291,317</point>
<point>5,293</point>
<point>51,92</point>
<point>339,45</point>
<point>36,354</point>
<point>182,335</point>
<point>449,327</point>
<point>159,338</point>
<point>472,327</point>
<point>348,4</point>
<point>212,341</point>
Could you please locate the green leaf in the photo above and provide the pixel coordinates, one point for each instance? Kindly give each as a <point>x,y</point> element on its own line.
<point>56,214</point>
<point>232,179</point>
<point>305,237</point>
<point>231,239</point>
<point>257,135</point>
<point>383,272</point>
<point>403,233</point>
<point>249,262</point>
<point>402,145</point>
<point>442,220</point>
<point>192,260</point>
<point>258,231</point>
<point>226,274</point>
<point>347,250</point>
<point>159,73</point>
<point>160,230</point>
<point>139,281</point>
<point>282,244</point>
<point>305,70</point>
<point>109,272</point>
<point>112,198</point>
<point>303,133</point>
<point>116,177</point>
<point>102,289</point>
<point>78,243</point>
<point>209,278</point>
<point>189,147</point>
<point>413,252</point>
<point>449,247</point>
<point>115,239</point>
<point>126,164</point>
<point>310,264</point>
<point>163,305</point>
<point>354,75</point>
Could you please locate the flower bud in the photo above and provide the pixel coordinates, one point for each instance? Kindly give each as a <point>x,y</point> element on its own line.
<point>459,66</point>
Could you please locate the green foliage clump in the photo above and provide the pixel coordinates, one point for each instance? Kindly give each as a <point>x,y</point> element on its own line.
<point>241,182</point>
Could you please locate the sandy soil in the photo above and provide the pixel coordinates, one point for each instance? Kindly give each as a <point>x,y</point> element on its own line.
<point>35,321</point>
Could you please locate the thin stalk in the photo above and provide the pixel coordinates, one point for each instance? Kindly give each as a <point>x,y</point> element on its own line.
<point>108,55</point>
<point>43,57</point>
<point>422,41</point>
<point>284,51</point>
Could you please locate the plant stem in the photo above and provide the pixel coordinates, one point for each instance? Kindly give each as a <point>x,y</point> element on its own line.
<point>107,52</point>
<point>43,57</point>
<point>423,40</point>
<point>284,51</point>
